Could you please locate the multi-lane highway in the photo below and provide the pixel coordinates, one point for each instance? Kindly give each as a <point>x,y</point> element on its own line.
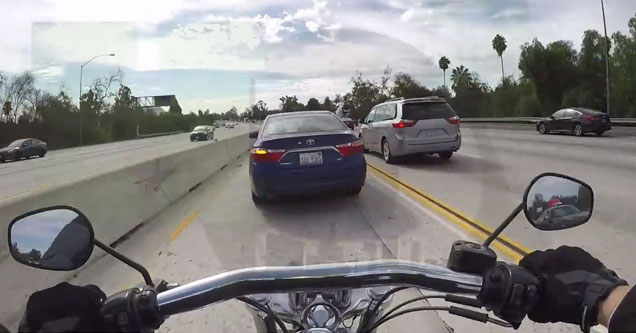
<point>61,166</point>
<point>217,227</point>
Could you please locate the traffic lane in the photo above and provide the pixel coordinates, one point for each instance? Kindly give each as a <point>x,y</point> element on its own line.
<point>616,131</point>
<point>486,179</point>
<point>217,228</point>
<point>68,165</point>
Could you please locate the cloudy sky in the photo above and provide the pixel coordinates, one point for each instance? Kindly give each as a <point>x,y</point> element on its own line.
<point>214,54</point>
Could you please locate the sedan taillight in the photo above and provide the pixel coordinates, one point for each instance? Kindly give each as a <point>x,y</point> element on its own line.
<point>266,155</point>
<point>351,148</point>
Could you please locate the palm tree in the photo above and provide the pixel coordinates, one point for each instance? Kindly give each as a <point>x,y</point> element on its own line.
<point>499,45</point>
<point>461,77</point>
<point>443,64</point>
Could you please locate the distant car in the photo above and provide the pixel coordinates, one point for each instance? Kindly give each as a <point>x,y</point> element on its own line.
<point>561,215</point>
<point>349,122</point>
<point>216,125</point>
<point>229,125</point>
<point>305,152</point>
<point>577,121</point>
<point>400,127</point>
<point>202,133</point>
<point>23,148</point>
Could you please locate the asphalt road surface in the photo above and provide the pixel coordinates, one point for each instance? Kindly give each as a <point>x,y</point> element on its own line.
<point>60,166</point>
<point>217,227</point>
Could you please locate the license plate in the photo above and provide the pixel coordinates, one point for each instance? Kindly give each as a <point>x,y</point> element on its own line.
<point>432,133</point>
<point>310,158</point>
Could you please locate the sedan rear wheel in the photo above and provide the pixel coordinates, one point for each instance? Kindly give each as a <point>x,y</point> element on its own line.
<point>578,130</point>
<point>2,159</point>
<point>386,152</point>
<point>446,155</point>
<point>354,191</point>
<point>599,133</point>
<point>542,129</point>
<point>42,153</point>
<point>259,200</point>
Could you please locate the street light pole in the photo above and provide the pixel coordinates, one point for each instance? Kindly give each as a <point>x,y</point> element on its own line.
<point>607,73</point>
<point>80,91</point>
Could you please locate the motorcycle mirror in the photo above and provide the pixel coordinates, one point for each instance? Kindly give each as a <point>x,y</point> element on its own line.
<point>555,202</point>
<point>56,238</point>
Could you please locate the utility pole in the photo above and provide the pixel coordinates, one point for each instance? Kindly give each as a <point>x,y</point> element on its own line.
<point>607,70</point>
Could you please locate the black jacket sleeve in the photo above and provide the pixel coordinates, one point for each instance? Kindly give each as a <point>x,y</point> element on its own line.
<point>624,317</point>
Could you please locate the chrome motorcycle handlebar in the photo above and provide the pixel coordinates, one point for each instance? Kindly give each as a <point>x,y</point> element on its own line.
<point>262,280</point>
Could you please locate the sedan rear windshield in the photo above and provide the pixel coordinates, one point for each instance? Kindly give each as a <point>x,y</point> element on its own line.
<point>421,111</point>
<point>200,128</point>
<point>300,124</point>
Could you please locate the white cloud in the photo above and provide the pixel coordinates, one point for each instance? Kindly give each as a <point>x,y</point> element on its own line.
<point>407,15</point>
<point>50,72</point>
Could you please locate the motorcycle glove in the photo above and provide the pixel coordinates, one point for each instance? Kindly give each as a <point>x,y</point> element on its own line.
<point>64,308</point>
<point>573,284</point>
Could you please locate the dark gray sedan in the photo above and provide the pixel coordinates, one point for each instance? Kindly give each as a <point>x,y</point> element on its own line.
<point>577,121</point>
<point>202,133</point>
<point>23,148</point>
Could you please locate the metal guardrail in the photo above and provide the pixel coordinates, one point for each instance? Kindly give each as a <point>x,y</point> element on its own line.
<point>152,135</point>
<point>534,120</point>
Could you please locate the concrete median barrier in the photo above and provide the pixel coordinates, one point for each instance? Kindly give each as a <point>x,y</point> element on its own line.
<point>115,202</point>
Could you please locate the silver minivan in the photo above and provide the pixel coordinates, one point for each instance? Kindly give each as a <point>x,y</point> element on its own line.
<point>400,127</point>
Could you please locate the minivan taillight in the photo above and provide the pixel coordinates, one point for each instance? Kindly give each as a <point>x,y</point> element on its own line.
<point>404,123</point>
<point>266,155</point>
<point>351,148</point>
<point>453,120</point>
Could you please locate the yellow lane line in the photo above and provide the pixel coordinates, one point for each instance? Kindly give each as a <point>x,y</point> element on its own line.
<point>511,248</point>
<point>184,224</point>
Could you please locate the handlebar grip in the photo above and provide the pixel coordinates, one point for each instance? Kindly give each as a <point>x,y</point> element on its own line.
<point>463,300</point>
<point>467,313</point>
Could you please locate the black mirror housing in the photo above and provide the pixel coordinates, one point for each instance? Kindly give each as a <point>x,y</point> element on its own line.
<point>253,135</point>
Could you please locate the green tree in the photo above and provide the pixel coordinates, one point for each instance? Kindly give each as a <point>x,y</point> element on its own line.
<point>327,104</point>
<point>443,65</point>
<point>313,104</point>
<point>623,72</point>
<point>499,45</point>
<point>405,86</point>
<point>551,69</point>
<point>461,78</point>
<point>124,120</point>
<point>590,89</point>
<point>290,104</point>
<point>363,96</point>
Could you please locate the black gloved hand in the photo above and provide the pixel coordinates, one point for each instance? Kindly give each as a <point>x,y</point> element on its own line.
<point>573,284</point>
<point>64,308</point>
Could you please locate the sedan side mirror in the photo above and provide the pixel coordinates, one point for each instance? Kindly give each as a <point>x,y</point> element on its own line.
<point>555,202</point>
<point>253,135</point>
<point>57,238</point>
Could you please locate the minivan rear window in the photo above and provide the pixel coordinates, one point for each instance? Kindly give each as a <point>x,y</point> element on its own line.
<point>421,111</point>
<point>300,124</point>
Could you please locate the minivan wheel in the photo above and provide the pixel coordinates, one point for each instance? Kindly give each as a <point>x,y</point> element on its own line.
<point>578,130</point>
<point>445,155</point>
<point>386,152</point>
<point>542,128</point>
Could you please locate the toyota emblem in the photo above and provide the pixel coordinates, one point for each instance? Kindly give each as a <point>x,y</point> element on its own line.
<point>310,142</point>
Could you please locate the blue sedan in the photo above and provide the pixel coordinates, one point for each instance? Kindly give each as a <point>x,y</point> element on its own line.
<point>299,153</point>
